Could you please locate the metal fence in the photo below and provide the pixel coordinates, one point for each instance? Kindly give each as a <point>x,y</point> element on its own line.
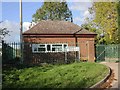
<point>10,53</point>
<point>109,53</point>
<point>35,53</point>
<point>56,52</point>
<point>100,53</point>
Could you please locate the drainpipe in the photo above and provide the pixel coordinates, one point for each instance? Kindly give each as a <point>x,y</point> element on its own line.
<point>76,44</point>
<point>76,41</point>
<point>77,54</point>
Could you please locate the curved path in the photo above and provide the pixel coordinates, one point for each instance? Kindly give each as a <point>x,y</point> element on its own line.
<point>114,67</point>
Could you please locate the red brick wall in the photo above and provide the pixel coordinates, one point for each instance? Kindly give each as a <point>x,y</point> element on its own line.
<point>86,44</point>
<point>87,48</point>
<point>70,41</point>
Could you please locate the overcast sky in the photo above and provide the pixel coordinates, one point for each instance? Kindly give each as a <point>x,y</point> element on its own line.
<point>10,15</point>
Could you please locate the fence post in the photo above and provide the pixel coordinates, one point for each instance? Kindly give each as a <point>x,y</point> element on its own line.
<point>2,43</point>
<point>77,53</point>
<point>21,49</point>
<point>1,67</point>
<point>2,49</point>
<point>65,55</point>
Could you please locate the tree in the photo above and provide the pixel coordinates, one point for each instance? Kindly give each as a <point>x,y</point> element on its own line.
<point>106,19</point>
<point>3,32</point>
<point>118,11</point>
<point>53,11</point>
<point>92,27</point>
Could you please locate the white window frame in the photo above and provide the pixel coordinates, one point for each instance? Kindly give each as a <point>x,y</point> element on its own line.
<point>37,46</point>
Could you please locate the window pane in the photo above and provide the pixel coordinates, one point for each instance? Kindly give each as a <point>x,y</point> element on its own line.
<point>53,49</point>
<point>35,49</point>
<point>48,47</point>
<point>65,46</point>
<point>41,49</point>
<point>42,45</point>
<point>56,47</point>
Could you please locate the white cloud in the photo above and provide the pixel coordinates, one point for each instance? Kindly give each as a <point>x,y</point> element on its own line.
<point>86,14</point>
<point>26,26</point>
<point>80,6</point>
<point>14,29</point>
<point>80,11</point>
<point>78,19</point>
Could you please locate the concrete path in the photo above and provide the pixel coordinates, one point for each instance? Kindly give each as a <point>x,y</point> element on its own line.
<point>114,67</point>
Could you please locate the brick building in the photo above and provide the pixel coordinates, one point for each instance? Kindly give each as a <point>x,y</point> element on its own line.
<point>53,37</point>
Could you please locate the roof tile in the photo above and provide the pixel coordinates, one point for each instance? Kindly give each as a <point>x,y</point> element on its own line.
<point>56,27</point>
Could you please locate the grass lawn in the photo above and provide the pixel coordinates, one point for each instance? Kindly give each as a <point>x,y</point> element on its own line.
<point>76,75</point>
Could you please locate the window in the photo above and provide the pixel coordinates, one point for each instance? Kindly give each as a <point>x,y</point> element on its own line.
<point>38,48</point>
<point>65,46</point>
<point>43,48</point>
<point>56,47</point>
<point>34,48</point>
<point>48,47</point>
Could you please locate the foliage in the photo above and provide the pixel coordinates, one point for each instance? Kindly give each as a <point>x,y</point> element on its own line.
<point>76,75</point>
<point>53,11</point>
<point>92,27</point>
<point>106,19</point>
<point>118,17</point>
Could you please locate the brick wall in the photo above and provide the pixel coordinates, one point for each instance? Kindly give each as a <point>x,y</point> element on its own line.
<point>86,49</point>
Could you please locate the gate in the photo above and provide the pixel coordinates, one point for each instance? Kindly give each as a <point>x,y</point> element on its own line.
<point>109,53</point>
<point>100,53</point>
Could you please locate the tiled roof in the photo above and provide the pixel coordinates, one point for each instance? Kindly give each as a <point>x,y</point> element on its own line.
<point>56,27</point>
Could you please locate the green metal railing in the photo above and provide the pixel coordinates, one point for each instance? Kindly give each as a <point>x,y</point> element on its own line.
<point>10,51</point>
<point>100,53</point>
<point>108,52</point>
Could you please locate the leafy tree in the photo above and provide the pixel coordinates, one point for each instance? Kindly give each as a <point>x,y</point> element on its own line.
<point>53,11</point>
<point>90,26</point>
<point>106,18</point>
<point>118,11</point>
<point>3,32</point>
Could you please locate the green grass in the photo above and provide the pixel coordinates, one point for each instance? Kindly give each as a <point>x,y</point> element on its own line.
<point>76,75</point>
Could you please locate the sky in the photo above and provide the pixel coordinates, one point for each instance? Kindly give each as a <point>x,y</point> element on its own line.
<point>11,19</point>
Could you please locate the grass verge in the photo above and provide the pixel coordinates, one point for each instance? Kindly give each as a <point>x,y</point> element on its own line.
<point>76,75</point>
